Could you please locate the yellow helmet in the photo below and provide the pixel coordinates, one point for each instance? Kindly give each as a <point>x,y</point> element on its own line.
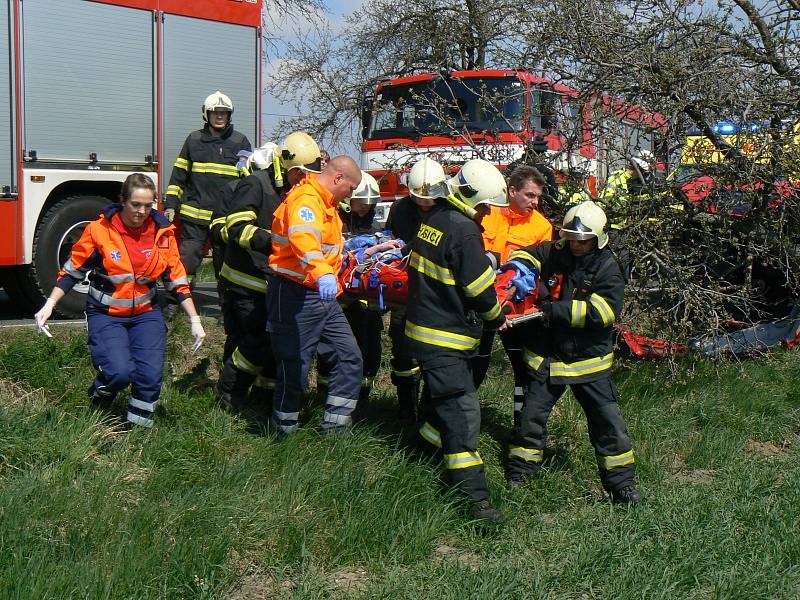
<point>217,101</point>
<point>479,182</point>
<point>300,151</point>
<point>583,222</point>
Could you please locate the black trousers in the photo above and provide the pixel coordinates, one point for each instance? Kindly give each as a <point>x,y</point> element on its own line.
<point>607,431</point>
<point>451,420</point>
<point>367,327</point>
<point>512,343</point>
<point>248,346</point>
<point>192,245</point>
<point>405,370</point>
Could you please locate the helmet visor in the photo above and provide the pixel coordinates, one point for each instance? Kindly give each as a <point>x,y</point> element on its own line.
<point>430,192</point>
<point>370,195</point>
<point>577,230</point>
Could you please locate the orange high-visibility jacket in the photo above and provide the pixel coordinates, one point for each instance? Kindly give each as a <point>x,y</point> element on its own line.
<point>505,231</point>
<point>307,236</point>
<point>114,287</point>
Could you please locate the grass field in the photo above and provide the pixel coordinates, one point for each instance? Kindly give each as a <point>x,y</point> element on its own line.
<point>206,505</point>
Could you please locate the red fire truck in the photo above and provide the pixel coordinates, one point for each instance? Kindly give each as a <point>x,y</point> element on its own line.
<point>493,114</point>
<point>96,90</point>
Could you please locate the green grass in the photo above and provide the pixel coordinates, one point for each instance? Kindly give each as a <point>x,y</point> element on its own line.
<point>208,505</point>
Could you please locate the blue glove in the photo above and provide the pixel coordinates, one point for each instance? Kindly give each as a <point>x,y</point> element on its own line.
<point>525,280</point>
<point>327,286</point>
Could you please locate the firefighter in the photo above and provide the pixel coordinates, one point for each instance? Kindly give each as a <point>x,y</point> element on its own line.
<point>302,312</point>
<point>426,182</point>
<point>125,252</point>
<point>580,294</point>
<point>573,191</point>
<point>358,215</point>
<point>622,184</point>
<point>506,229</point>
<point>243,280</point>
<point>205,165</point>
<point>451,297</point>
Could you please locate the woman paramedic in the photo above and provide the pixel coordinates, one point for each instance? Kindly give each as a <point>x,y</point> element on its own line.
<point>124,252</point>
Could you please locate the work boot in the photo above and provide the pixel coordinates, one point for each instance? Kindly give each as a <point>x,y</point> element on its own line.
<point>100,398</point>
<point>627,495</point>
<point>517,480</point>
<point>483,510</point>
<point>229,401</point>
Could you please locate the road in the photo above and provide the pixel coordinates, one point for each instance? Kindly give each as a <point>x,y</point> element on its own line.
<point>205,296</point>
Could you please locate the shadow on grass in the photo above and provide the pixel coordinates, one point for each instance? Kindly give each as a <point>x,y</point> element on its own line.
<point>196,380</point>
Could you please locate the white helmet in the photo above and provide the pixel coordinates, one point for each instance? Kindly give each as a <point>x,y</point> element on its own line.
<point>217,101</point>
<point>645,160</point>
<point>368,190</point>
<point>426,181</point>
<point>300,151</point>
<point>479,182</point>
<point>262,157</point>
<point>583,222</point>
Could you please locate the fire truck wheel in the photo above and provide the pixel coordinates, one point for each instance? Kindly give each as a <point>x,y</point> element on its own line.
<point>58,230</point>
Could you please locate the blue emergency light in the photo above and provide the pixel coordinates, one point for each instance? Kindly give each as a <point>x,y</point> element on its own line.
<point>725,128</point>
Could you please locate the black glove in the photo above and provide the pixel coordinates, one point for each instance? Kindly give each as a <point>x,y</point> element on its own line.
<point>546,306</point>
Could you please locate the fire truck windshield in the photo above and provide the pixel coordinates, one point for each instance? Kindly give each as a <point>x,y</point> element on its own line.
<point>449,106</point>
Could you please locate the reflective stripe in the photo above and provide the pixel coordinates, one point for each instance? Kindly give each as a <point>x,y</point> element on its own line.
<point>286,416</point>
<point>171,285</point>
<point>492,314</point>
<point>196,213</point>
<point>578,313</point>
<point>463,460</point>
<point>264,383</point>
<point>518,391</point>
<point>216,169</point>
<point>525,256</point>
<point>182,163</point>
<point>224,234</point>
<point>174,190</point>
<point>438,337</point>
<point>308,228</point>
<point>280,240</point>
<point>218,221</point>
<point>334,419</point>
<point>309,256</point>
<point>534,361</point>
<point>322,379</point>
<point>285,271</point>
<point>121,302</point>
<point>122,278</point>
<point>527,454</point>
<point>328,248</point>
<point>481,283</point>
<point>241,363</point>
<point>430,434</point>
<point>409,373</point>
<point>582,367</point>
<point>431,269</point>
<point>617,460</point>
<point>340,402</point>
<point>149,406</point>
<point>247,235</point>
<point>518,407</point>
<point>73,271</point>
<point>243,279</point>
<point>238,217</point>
<point>604,308</point>
<point>137,420</point>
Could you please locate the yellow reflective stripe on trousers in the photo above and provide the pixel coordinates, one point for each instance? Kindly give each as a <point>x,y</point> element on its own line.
<point>182,163</point>
<point>216,168</point>
<point>581,367</point>
<point>193,212</point>
<point>492,313</point>
<point>603,307</point>
<point>578,313</point>
<point>617,460</point>
<point>463,460</point>
<point>430,434</point>
<point>431,269</point>
<point>527,454</point>
<point>238,217</point>
<point>525,256</point>
<point>174,190</point>
<point>409,373</point>
<point>243,279</point>
<point>534,361</point>
<point>241,363</point>
<point>482,282</point>
<point>438,337</point>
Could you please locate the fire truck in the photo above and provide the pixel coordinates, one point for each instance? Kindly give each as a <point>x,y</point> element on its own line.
<point>494,114</point>
<point>97,90</point>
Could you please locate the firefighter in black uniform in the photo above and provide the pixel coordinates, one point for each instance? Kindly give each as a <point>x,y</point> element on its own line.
<point>581,289</point>
<point>205,165</point>
<point>426,181</point>
<point>244,225</point>
<point>451,296</point>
